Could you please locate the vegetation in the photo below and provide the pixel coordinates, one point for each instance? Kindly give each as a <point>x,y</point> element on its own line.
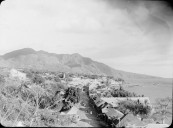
<point>120,80</point>
<point>37,102</point>
<point>57,79</point>
<point>38,79</point>
<point>71,94</point>
<point>2,80</point>
<point>123,93</point>
<point>40,99</point>
<point>134,107</point>
<point>163,109</point>
<point>92,76</point>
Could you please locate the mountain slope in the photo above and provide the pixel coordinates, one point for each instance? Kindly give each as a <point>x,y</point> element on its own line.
<point>29,58</point>
<point>17,53</point>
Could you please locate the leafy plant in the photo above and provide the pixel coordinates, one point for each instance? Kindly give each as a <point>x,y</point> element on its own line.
<point>163,109</point>
<point>135,108</point>
<point>38,79</point>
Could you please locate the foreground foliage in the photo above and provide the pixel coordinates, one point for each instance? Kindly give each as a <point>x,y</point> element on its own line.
<point>37,101</point>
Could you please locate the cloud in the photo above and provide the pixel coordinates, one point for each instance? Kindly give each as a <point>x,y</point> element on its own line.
<point>153,18</point>
<point>116,32</point>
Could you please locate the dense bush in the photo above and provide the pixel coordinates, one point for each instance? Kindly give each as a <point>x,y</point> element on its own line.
<point>61,75</point>
<point>29,74</point>
<point>92,76</point>
<point>57,79</point>
<point>134,107</point>
<point>122,93</point>
<point>163,109</point>
<point>107,94</point>
<point>2,79</point>
<point>12,90</point>
<point>69,79</point>
<point>110,77</point>
<point>57,106</point>
<point>37,104</point>
<point>44,102</point>
<point>62,86</point>
<point>119,80</point>
<point>72,95</point>
<point>38,79</point>
<point>66,105</point>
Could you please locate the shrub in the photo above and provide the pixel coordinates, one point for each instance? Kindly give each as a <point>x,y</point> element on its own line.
<point>72,94</point>
<point>61,86</point>
<point>61,75</point>
<point>44,102</point>
<point>66,105</point>
<point>57,79</point>
<point>29,74</point>
<point>2,79</point>
<point>12,90</point>
<point>93,76</point>
<point>134,107</point>
<point>57,106</point>
<point>122,93</point>
<point>163,109</point>
<point>69,79</point>
<point>38,79</point>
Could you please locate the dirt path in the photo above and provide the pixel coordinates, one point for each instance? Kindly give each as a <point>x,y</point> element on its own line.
<point>86,118</point>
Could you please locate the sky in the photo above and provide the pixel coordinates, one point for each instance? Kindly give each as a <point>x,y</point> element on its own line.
<point>130,35</point>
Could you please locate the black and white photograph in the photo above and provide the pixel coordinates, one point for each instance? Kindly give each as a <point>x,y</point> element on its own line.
<point>86,63</point>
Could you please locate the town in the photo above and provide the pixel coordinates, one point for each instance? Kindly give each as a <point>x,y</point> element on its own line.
<point>56,99</point>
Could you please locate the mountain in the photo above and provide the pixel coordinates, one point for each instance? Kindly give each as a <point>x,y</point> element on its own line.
<point>42,60</point>
<point>17,53</point>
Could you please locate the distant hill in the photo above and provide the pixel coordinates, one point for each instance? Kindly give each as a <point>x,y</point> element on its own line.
<point>17,53</point>
<point>29,58</point>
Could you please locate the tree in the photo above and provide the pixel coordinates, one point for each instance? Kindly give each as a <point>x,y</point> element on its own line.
<point>2,79</point>
<point>72,95</point>
<point>44,102</point>
<point>29,74</point>
<point>107,94</point>
<point>134,107</point>
<point>57,79</point>
<point>66,105</point>
<point>38,79</point>
<point>142,110</point>
<point>122,93</point>
<point>163,109</point>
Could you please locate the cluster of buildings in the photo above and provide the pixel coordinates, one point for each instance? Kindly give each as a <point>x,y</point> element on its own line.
<point>108,105</point>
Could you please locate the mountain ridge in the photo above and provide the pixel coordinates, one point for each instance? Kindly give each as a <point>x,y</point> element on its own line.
<point>29,58</point>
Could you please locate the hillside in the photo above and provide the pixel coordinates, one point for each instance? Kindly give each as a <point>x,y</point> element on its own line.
<point>42,60</point>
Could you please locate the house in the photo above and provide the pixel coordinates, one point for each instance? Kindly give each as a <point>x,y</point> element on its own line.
<point>99,103</point>
<point>156,126</point>
<point>111,100</point>
<point>111,112</point>
<point>131,121</point>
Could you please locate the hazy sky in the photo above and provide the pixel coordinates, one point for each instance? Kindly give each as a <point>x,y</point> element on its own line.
<point>127,35</point>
